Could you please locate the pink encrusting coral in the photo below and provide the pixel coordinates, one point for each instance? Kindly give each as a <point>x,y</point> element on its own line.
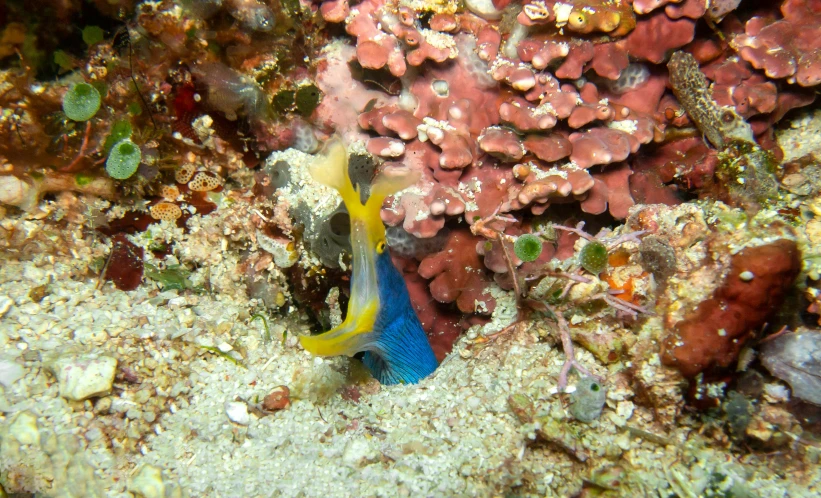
<point>387,35</point>
<point>492,102</point>
<point>789,48</point>
<point>543,102</point>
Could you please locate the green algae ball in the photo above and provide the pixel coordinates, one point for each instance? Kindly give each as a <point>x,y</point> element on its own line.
<point>81,102</point>
<point>119,132</point>
<point>284,100</point>
<point>93,34</point>
<point>593,257</point>
<point>123,160</point>
<point>528,247</point>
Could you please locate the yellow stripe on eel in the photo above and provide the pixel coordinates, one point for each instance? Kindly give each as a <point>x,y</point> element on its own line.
<point>356,333</point>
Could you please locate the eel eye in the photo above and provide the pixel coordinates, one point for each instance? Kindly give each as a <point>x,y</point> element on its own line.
<point>380,246</point>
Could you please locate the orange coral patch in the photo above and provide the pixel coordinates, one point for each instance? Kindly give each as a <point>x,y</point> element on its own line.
<point>619,257</point>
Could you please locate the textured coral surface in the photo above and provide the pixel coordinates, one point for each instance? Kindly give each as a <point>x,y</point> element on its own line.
<point>713,335</point>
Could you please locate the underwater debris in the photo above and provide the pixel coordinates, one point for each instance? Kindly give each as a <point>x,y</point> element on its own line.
<point>278,399</point>
<point>10,372</point>
<point>237,412</point>
<point>17,192</point>
<point>795,358</point>
<point>84,376</point>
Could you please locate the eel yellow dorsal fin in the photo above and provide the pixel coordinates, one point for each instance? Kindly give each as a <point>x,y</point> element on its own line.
<point>330,168</point>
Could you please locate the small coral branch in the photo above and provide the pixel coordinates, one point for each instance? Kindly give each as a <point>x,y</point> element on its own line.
<point>510,266</point>
<point>578,230</point>
<point>82,152</point>
<point>631,309</point>
<point>489,228</point>
<point>569,352</point>
<point>609,242</point>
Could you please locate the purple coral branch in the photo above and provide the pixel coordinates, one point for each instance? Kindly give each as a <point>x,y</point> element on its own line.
<point>560,274</point>
<point>620,304</point>
<point>512,269</point>
<point>578,230</point>
<point>567,347</point>
<point>569,352</point>
<point>627,237</point>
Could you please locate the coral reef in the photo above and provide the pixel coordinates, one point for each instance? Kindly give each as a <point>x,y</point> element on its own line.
<point>613,245</point>
<point>787,48</point>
